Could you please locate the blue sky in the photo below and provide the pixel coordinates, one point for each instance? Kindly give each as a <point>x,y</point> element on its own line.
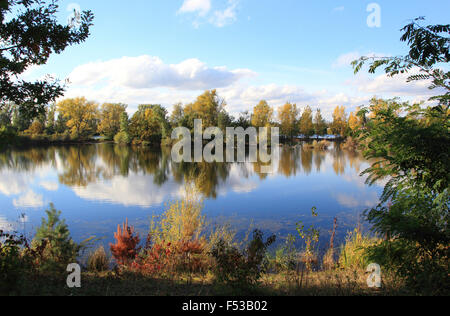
<point>154,51</point>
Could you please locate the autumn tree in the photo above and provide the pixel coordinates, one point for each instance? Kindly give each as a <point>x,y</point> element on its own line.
<point>288,117</point>
<point>81,115</point>
<point>354,121</point>
<point>339,125</point>
<point>30,34</point>
<point>36,128</point>
<point>150,123</point>
<point>177,116</point>
<point>306,122</point>
<point>320,125</point>
<point>110,114</point>
<point>262,115</point>
<point>207,107</point>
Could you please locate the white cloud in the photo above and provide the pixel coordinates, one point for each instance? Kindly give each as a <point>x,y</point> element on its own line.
<point>227,16</point>
<point>49,185</point>
<point>339,9</point>
<point>29,200</point>
<point>241,98</point>
<point>202,7</point>
<point>394,86</point>
<point>145,72</point>
<point>202,12</point>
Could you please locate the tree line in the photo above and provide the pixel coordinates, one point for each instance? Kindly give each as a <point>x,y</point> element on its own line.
<point>79,118</point>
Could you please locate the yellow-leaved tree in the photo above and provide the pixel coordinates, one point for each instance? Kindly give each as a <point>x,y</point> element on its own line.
<point>262,115</point>
<point>339,125</point>
<point>354,122</point>
<point>207,107</point>
<point>306,122</point>
<point>109,124</point>
<point>81,115</point>
<point>288,116</point>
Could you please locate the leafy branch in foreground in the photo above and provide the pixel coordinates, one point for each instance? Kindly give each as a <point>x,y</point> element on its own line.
<point>29,38</point>
<point>429,47</point>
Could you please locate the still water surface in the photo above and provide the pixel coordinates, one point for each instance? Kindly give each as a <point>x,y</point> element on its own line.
<point>97,186</point>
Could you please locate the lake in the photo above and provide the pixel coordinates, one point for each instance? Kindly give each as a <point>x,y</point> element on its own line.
<point>98,186</point>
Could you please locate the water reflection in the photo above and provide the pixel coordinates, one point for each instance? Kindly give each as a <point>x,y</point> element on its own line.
<point>97,186</point>
<point>125,169</point>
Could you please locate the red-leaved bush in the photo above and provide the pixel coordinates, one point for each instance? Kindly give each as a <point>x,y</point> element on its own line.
<point>126,247</point>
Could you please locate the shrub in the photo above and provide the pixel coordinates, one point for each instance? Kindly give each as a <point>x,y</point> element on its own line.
<point>182,221</point>
<point>36,128</point>
<point>350,144</point>
<point>241,269</point>
<point>126,247</point>
<point>311,237</point>
<point>7,134</point>
<point>12,263</point>
<point>53,238</point>
<point>285,258</point>
<point>354,251</point>
<point>122,138</point>
<point>98,260</point>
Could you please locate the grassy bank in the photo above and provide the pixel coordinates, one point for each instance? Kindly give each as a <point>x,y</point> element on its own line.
<point>112,283</point>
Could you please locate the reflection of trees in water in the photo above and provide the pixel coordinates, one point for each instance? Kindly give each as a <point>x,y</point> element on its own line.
<point>81,165</point>
<point>339,160</point>
<point>306,159</point>
<point>205,176</point>
<point>27,159</point>
<point>289,160</point>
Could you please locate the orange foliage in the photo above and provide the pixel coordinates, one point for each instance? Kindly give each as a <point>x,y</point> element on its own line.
<point>183,255</point>
<point>125,249</point>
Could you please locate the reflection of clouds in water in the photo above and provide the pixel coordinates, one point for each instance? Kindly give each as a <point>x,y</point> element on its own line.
<point>6,225</point>
<point>363,199</point>
<point>50,185</point>
<point>13,183</point>
<point>135,190</point>
<point>237,182</point>
<point>29,200</point>
<point>360,181</point>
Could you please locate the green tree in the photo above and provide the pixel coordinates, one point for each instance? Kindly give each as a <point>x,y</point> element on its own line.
<point>6,114</point>
<point>428,47</point>
<point>177,116</point>
<point>409,146</point>
<point>123,137</point>
<point>320,125</point>
<point>150,123</point>
<point>50,124</point>
<point>30,34</point>
<point>53,236</point>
